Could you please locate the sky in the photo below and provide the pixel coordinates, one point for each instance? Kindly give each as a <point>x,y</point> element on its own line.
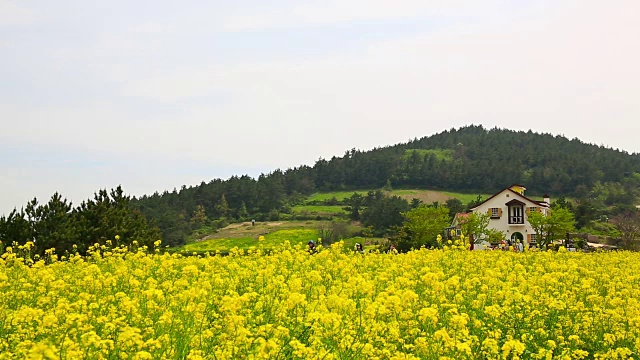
<point>152,95</point>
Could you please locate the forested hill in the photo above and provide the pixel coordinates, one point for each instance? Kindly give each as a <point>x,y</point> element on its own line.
<point>470,159</point>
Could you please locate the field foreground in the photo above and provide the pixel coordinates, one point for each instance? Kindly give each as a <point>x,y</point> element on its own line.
<point>426,304</point>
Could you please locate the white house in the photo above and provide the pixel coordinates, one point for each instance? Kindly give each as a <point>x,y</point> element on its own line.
<point>509,211</point>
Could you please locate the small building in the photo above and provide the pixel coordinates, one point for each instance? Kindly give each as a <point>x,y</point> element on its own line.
<point>508,212</point>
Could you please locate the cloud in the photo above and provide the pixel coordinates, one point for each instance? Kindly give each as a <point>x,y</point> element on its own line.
<point>572,66</point>
<point>146,28</point>
<point>337,11</point>
<point>12,14</point>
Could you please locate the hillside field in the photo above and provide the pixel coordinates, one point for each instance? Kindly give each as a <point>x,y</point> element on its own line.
<point>427,196</point>
<point>276,233</point>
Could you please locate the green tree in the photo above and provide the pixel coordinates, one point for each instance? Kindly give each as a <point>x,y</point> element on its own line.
<point>383,213</point>
<point>56,226</point>
<point>553,226</point>
<point>354,206</point>
<point>455,206</point>
<point>494,235</point>
<point>243,214</point>
<point>422,226</point>
<point>563,203</point>
<point>587,211</point>
<point>109,214</point>
<point>15,227</point>
<point>199,216</point>
<point>223,207</point>
<point>475,225</point>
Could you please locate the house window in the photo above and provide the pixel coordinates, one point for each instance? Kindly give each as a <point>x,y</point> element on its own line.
<point>515,215</point>
<point>534,238</point>
<point>533,209</point>
<point>495,213</point>
<point>458,232</point>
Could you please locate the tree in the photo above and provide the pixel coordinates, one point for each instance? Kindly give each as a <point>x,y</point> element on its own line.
<point>15,227</point>
<point>494,236</point>
<point>223,207</point>
<point>422,226</point>
<point>56,226</point>
<point>109,214</point>
<point>333,231</point>
<point>243,214</point>
<point>563,203</point>
<point>455,206</point>
<point>199,216</point>
<point>587,211</point>
<point>354,206</point>
<point>629,226</point>
<point>415,202</point>
<point>552,226</point>
<point>383,213</point>
<point>475,225</point>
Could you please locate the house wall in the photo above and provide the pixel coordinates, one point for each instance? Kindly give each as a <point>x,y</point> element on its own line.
<point>502,223</point>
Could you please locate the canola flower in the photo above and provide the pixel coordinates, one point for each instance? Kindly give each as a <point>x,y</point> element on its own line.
<point>427,304</point>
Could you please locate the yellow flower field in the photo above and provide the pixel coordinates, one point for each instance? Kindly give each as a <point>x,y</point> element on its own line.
<point>427,304</point>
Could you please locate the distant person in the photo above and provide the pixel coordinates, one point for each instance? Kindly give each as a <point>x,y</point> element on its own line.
<point>312,247</point>
<point>359,248</point>
<point>253,222</point>
<point>393,250</point>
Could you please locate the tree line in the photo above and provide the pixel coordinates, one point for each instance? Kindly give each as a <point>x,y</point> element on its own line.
<point>58,225</point>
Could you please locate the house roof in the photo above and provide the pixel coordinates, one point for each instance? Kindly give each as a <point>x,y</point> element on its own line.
<point>514,201</point>
<point>459,216</point>
<point>541,203</point>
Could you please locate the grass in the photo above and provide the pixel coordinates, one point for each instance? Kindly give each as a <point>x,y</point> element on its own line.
<point>465,198</point>
<point>246,230</point>
<point>245,236</point>
<point>294,236</point>
<point>339,195</point>
<point>319,209</point>
<point>427,196</point>
<point>438,154</point>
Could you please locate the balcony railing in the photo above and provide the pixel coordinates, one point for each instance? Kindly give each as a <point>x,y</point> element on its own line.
<point>516,219</point>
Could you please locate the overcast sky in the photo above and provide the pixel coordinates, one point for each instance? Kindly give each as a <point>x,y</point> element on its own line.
<point>156,94</point>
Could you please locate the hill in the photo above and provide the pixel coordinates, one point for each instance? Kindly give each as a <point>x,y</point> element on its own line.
<point>471,160</point>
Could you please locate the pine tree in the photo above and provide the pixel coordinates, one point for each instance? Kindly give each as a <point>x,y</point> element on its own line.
<point>199,216</point>
<point>243,214</point>
<point>222,208</point>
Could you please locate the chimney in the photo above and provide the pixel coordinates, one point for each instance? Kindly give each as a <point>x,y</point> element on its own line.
<point>546,199</point>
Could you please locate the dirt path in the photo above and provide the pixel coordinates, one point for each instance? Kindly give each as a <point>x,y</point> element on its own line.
<point>428,196</point>
<point>245,229</point>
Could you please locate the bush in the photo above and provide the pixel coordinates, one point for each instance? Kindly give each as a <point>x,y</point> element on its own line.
<point>333,231</point>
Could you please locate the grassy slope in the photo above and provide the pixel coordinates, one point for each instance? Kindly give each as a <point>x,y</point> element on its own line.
<point>245,236</point>
<point>319,209</point>
<point>427,196</point>
<point>279,237</point>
